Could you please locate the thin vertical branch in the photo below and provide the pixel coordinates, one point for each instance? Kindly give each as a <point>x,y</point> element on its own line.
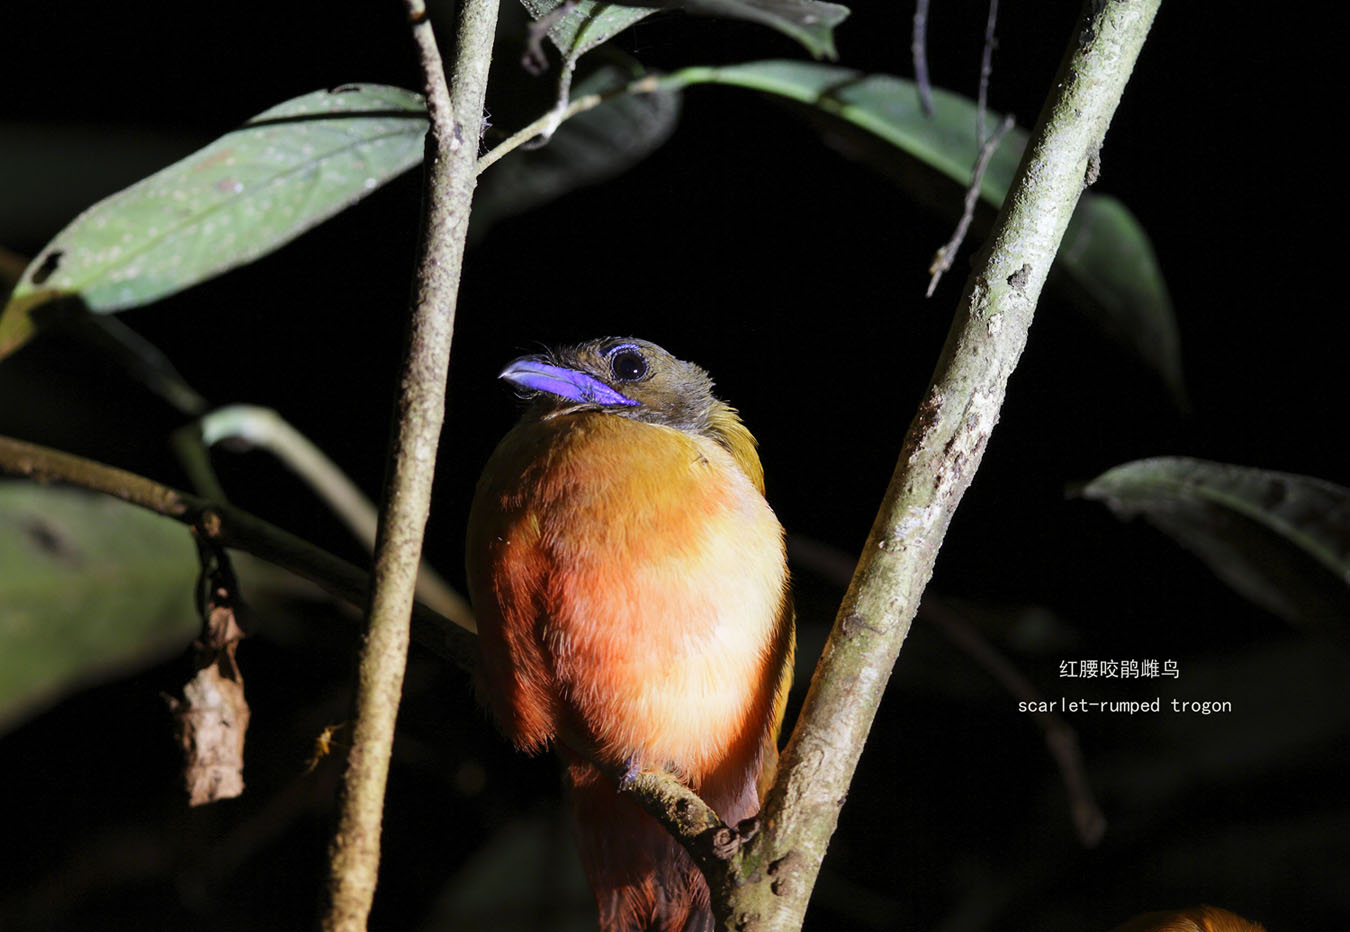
<point>918,50</point>
<point>771,877</point>
<point>946,253</point>
<point>986,145</point>
<point>986,70</point>
<point>456,115</point>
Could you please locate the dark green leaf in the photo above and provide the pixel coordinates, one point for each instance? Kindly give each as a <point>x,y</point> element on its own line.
<point>245,195</point>
<point>592,22</point>
<point>1281,540</point>
<point>587,24</point>
<point>89,586</point>
<point>1114,276</point>
<point>589,148</point>
<point>1106,255</point>
<point>807,21</point>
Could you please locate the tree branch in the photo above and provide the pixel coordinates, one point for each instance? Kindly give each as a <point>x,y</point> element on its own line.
<point>683,813</point>
<point>456,119</point>
<point>918,50</point>
<point>266,429</point>
<point>771,878</point>
<point>230,527</point>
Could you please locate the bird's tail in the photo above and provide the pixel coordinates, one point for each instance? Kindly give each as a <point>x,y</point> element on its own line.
<point>643,880</point>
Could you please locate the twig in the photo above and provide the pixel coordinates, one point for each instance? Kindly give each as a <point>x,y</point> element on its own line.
<point>455,113</point>
<point>194,456</point>
<point>547,124</point>
<point>558,112</point>
<point>534,60</point>
<point>771,878</point>
<point>946,255</point>
<point>524,135</point>
<point>233,528</point>
<point>141,359</point>
<point>692,822</point>
<point>268,430</point>
<point>918,50</point>
<point>986,69</point>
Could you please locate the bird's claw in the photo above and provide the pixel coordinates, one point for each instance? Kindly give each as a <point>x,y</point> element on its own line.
<point>628,778</point>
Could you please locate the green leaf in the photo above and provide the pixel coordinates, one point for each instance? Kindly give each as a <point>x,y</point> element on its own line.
<point>1106,255</point>
<point>807,21</point>
<point>89,586</point>
<point>591,22</point>
<point>883,105</point>
<point>1281,540</point>
<point>243,196</point>
<point>587,24</point>
<point>591,147</point>
<point>1112,273</point>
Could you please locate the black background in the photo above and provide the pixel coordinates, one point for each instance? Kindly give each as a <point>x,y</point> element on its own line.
<point>796,278</point>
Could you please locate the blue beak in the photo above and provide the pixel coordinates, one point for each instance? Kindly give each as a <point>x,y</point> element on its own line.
<point>529,373</point>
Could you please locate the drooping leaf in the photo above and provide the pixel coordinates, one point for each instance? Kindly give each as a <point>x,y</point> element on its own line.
<point>589,148</point>
<point>245,195</point>
<point>1282,540</point>
<point>591,22</point>
<point>885,106</point>
<point>1114,277</point>
<point>89,586</point>
<point>809,22</point>
<point>1106,255</point>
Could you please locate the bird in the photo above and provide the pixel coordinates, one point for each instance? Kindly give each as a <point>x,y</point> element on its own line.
<point>1194,919</point>
<point>631,589</point>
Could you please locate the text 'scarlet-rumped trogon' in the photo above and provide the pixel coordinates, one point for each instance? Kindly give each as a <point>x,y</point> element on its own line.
<point>632,600</point>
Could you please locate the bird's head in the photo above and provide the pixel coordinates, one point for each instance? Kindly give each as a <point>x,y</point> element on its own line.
<point>633,379</point>
<point>618,375</point>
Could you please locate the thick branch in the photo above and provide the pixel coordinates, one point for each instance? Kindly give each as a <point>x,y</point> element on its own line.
<point>456,117</point>
<point>771,883</point>
<point>693,823</point>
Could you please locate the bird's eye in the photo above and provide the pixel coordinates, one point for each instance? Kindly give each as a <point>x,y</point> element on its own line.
<point>627,365</point>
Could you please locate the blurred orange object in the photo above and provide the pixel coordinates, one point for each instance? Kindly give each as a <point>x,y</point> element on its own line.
<point>1194,919</point>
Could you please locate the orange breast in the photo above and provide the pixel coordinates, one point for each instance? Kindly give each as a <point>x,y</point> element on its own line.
<point>630,586</point>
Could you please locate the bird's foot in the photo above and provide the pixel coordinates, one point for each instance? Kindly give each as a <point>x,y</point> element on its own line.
<point>628,778</point>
